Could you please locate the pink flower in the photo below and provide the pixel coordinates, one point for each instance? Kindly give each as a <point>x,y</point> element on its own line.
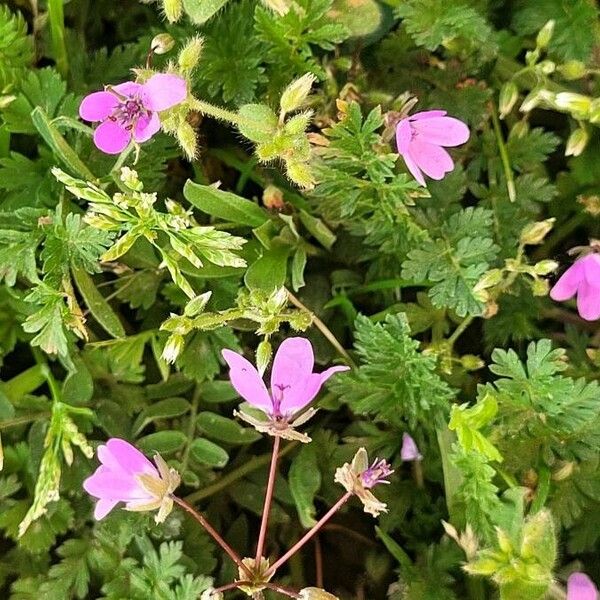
<point>130,109</point>
<point>581,587</point>
<point>293,385</point>
<point>581,278</point>
<point>409,450</point>
<point>126,475</point>
<point>420,138</point>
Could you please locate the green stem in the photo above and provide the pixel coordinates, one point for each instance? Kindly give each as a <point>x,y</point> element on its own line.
<point>510,180</point>
<point>48,375</point>
<point>459,330</point>
<point>191,429</point>
<point>57,33</point>
<point>217,112</point>
<point>231,477</point>
<point>23,420</point>
<point>324,330</point>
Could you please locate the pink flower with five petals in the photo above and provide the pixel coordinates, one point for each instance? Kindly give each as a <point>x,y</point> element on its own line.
<point>582,278</point>
<point>293,386</point>
<point>130,110</point>
<point>421,139</point>
<point>126,475</point>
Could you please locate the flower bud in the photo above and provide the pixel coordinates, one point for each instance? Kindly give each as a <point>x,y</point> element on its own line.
<point>519,129</point>
<point>173,348</point>
<point>535,98</point>
<point>547,67</point>
<point>186,136</point>
<point>545,35</point>
<point>197,305</point>
<point>576,104</point>
<point>509,94</point>
<point>273,197</point>
<point>534,233</point>
<point>190,54</point>
<point>564,471</point>
<point>296,93</point>
<point>595,112</point>
<point>162,43</point>
<point>489,279</point>
<point>591,204</point>
<point>540,287</point>
<point>572,69</point>
<point>173,10</point>
<point>264,351</point>
<point>313,593</point>
<point>545,267</point>
<point>577,142</point>
<point>471,362</point>
<point>211,594</point>
<point>300,174</point>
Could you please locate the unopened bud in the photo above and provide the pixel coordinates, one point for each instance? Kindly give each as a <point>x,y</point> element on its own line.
<point>295,94</point>
<point>572,69</point>
<point>211,594</point>
<point>489,279</point>
<point>534,233</point>
<point>509,94</point>
<point>536,98</point>
<point>470,362</point>
<point>591,204</point>
<point>300,174</point>
<point>545,267</point>
<point>313,593</point>
<point>577,142</point>
<point>595,112</point>
<point>545,35</point>
<point>273,197</point>
<point>564,471</point>
<point>264,351</point>
<point>162,43</point>
<point>186,136</point>
<point>197,305</point>
<point>491,309</point>
<point>520,129</point>
<point>173,348</point>
<point>540,287</point>
<point>547,67</point>
<point>190,54</point>
<point>173,10</point>
<point>576,104</point>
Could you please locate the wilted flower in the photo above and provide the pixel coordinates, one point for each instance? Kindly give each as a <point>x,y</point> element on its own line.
<point>130,110</point>
<point>358,478</point>
<point>581,587</point>
<point>409,450</point>
<point>126,475</point>
<point>420,139</point>
<point>293,387</point>
<point>582,278</point>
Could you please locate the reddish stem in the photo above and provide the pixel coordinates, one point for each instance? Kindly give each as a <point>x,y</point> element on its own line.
<point>309,534</point>
<point>282,590</point>
<point>268,500</point>
<point>215,535</point>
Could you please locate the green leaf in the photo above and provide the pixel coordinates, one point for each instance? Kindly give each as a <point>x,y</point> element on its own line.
<point>209,453</point>
<point>305,480</point>
<point>162,442</point>
<point>257,122</point>
<point>168,408</point>
<point>99,307</point>
<point>268,272</point>
<point>224,205</point>
<point>225,430</point>
<point>200,11</point>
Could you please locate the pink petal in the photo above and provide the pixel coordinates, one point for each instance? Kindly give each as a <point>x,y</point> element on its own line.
<point>427,114</point>
<point>111,138</point>
<point>403,136</point>
<point>163,91</point>
<point>98,106</point>
<point>247,381</point>
<point>292,366</point>
<point>442,131</point>
<point>146,127</point>
<point>566,287</point>
<point>103,507</point>
<point>581,587</point>
<point>119,455</point>
<point>414,169</point>
<point>129,88</point>
<point>591,269</point>
<point>409,450</point>
<point>588,301</point>
<point>433,160</point>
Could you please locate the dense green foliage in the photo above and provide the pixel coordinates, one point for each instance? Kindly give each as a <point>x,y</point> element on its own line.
<point>260,211</point>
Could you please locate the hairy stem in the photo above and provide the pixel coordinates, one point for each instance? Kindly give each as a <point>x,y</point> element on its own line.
<point>268,500</point>
<point>508,173</point>
<point>324,330</point>
<point>214,534</point>
<point>309,534</point>
<point>216,111</point>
